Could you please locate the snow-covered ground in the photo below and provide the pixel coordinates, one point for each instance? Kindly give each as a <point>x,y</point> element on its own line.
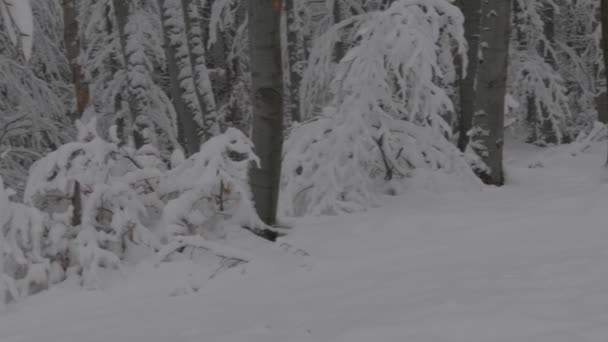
<point>527,262</point>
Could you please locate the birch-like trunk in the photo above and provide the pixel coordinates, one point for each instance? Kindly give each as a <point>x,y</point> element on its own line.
<point>200,73</point>
<point>186,126</point>
<point>267,89</point>
<point>491,83</point>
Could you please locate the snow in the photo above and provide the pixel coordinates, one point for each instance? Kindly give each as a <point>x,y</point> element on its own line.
<point>19,14</point>
<point>526,262</point>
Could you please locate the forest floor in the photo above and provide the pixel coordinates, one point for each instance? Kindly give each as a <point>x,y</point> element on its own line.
<point>526,262</point>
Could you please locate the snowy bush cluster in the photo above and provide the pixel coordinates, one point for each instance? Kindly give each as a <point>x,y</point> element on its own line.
<point>93,205</point>
<point>386,116</point>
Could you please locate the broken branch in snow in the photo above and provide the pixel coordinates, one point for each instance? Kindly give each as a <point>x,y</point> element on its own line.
<point>219,250</point>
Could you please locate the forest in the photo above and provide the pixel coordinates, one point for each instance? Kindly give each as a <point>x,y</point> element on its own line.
<point>138,130</point>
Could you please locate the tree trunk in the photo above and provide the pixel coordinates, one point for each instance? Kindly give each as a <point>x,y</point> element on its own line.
<point>121,12</point>
<point>185,118</point>
<point>604,7</point>
<point>549,134</point>
<point>72,48</point>
<point>267,88</point>
<point>491,82</point>
<point>200,74</point>
<point>294,57</point>
<point>337,15</point>
<point>601,103</point>
<point>601,99</point>
<point>470,9</point>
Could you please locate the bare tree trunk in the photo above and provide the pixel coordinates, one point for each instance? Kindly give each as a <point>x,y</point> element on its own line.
<point>491,82</point>
<point>76,205</point>
<point>604,7</point>
<point>601,102</point>
<point>267,88</point>
<point>470,9</point>
<point>72,48</point>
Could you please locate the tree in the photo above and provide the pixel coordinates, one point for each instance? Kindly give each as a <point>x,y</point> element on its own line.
<point>124,57</point>
<point>604,8</point>
<point>188,141</point>
<point>195,108</point>
<point>384,119</point>
<point>202,83</point>
<point>534,80</point>
<point>295,57</point>
<point>32,89</point>
<point>491,81</point>
<point>267,89</point>
<point>470,9</point>
<point>72,51</point>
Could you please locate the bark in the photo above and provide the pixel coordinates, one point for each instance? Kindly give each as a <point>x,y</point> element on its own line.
<point>294,57</point>
<point>185,118</point>
<point>72,48</point>
<point>267,88</point>
<point>340,49</point>
<point>121,13</point>
<point>196,51</point>
<point>491,82</point>
<point>470,9</point>
<point>604,7</point>
<point>601,100</point>
<point>601,104</point>
<point>76,205</point>
<point>548,131</point>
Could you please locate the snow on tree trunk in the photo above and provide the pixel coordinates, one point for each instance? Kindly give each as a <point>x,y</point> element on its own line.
<point>295,58</point>
<point>121,12</point>
<point>200,73</point>
<point>186,126</point>
<point>604,8</point>
<point>546,125</point>
<point>491,82</point>
<point>470,9</point>
<point>267,88</point>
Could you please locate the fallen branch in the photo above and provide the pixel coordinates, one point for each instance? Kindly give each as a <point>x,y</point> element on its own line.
<point>199,242</point>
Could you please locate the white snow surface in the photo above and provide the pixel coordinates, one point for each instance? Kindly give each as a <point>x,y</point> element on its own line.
<point>526,262</point>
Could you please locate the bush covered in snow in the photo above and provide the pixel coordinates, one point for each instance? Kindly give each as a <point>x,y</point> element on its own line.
<point>93,205</point>
<point>385,115</point>
<point>24,265</point>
